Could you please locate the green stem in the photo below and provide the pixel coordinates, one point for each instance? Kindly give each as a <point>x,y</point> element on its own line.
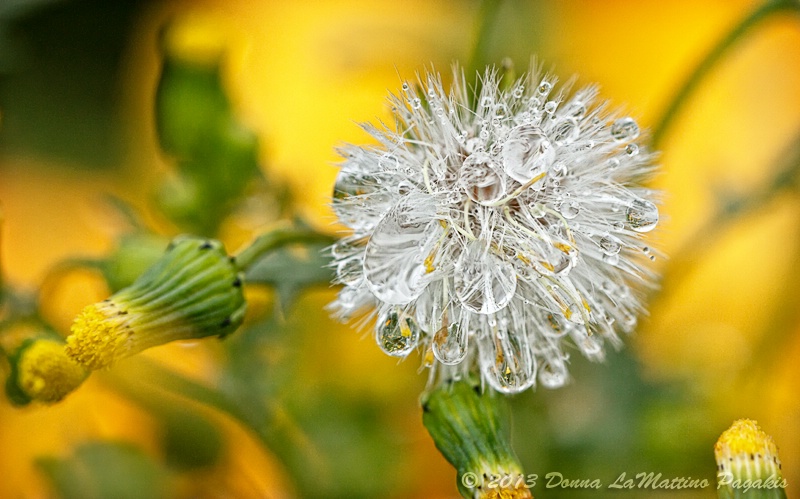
<point>682,261</point>
<point>712,58</point>
<point>277,239</point>
<point>479,55</point>
<point>780,325</point>
<point>2,281</point>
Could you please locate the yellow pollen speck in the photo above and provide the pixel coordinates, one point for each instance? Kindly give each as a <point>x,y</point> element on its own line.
<point>97,339</point>
<point>524,259</point>
<point>563,247</point>
<point>46,373</point>
<point>548,266</point>
<point>429,264</point>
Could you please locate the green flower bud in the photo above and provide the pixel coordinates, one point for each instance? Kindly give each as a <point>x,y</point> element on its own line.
<point>193,291</point>
<point>748,466</point>
<point>470,428</point>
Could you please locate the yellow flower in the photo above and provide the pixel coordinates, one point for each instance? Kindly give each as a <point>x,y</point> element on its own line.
<point>748,463</point>
<point>42,371</point>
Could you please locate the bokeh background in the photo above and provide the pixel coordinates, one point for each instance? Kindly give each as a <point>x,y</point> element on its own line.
<point>77,84</point>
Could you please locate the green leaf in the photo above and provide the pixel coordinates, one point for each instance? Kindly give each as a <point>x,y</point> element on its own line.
<point>100,470</point>
<point>290,270</point>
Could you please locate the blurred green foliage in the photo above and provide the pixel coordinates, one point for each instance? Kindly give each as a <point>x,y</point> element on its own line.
<point>216,156</point>
<point>60,78</point>
<point>101,470</point>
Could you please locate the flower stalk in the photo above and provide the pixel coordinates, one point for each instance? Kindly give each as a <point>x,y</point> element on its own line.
<point>712,58</point>
<point>470,427</point>
<point>281,236</point>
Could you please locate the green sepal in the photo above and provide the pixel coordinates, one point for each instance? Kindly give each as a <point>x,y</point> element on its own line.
<point>471,429</point>
<point>14,393</point>
<point>195,287</point>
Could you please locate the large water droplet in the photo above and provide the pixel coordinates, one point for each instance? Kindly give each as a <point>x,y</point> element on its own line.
<point>553,374</point>
<point>642,215</point>
<point>611,259</point>
<point>609,244</point>
<point>484,283</point>
<point>570,210</point>
<point>545,87</point>
<point>526,153</point>
<point>481,180</point>
<point>566,131</point>
<point>576,109</point>
<point>559,326</point>
<point>590,346</point>
<point>450,342</point>
<point>388,162</point>
<point>627,320</point>
<point>558,170</point>
<point>396,333</point>
<point>360,199</point>
<point>565,302</point>
<point>394,262</point>
<point>507,363</point>
<point>555,258</point>
<point>624,129</point>
<point>350,271</point>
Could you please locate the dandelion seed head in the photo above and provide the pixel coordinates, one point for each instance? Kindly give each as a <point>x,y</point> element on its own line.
<point>496,232</point>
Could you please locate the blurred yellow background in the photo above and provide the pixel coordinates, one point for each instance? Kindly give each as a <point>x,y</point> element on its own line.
<point>304,73</point>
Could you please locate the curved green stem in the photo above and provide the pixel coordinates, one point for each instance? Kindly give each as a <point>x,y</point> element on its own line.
<point>276,239</point>
<point>486,19</point>
<point>780,326</point>
<point>487,15</point>
<point>712,58</point>
<point>682,261</point>
<point>2,281</point>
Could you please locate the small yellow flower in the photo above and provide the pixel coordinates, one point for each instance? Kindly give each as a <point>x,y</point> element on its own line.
<point>194,291</point>
<point>45,373</point>
<point>748,463</point>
